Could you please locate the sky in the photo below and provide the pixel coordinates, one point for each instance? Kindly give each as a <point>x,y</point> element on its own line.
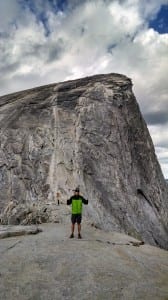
<point>48,41</point>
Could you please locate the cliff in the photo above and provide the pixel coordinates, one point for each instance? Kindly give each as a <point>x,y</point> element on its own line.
<point>87,132</point>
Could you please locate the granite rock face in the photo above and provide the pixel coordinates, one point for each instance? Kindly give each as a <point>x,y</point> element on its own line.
<point>87,132</point>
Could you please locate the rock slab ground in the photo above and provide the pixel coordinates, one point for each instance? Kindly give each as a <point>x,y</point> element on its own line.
<point>13,231</point>
<point>103,265</point>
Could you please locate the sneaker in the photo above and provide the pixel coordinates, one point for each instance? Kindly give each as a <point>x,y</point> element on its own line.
<point>79,236</point>
<point>71,236</point>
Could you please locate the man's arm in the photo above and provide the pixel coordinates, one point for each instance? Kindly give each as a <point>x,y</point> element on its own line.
<point>84,201</point>
<point>69,201</point>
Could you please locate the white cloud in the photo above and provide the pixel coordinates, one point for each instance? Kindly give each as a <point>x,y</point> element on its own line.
<point>9,10</point>
<point>159,135</point>
<point>126,15</point>
<point>91,37</point>
<point>160,139</point>
<point>162,154</point>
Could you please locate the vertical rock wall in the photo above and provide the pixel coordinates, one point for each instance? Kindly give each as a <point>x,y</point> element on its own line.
<point>86,132</point>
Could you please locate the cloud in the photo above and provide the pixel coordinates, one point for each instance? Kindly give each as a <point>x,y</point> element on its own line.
<point>160,135</point>
<point>50,41</point>
<point>160,139</point>
<point>159,117</point>
<point>9,10</point>
<point>162,153</point>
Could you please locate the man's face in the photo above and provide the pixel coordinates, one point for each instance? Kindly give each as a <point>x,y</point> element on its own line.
<point>76,193</point>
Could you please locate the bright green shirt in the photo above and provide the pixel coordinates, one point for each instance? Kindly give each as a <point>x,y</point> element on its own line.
<point>76,206</point>
<point>76,202</point>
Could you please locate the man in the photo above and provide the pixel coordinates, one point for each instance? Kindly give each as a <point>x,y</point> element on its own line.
<point>58,198</point>
<point>76,200</point>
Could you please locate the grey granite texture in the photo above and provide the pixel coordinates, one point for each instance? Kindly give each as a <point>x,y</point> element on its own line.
<point>87,132</point>
<point>50,266</point>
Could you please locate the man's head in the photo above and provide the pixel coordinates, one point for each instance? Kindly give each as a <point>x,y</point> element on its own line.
<point>77,191</point>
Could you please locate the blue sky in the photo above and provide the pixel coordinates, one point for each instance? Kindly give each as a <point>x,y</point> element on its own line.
<point>160,21</point>
<point>46,41</point>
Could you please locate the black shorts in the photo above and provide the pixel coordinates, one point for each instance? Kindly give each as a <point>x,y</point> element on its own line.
<point>77,218</point>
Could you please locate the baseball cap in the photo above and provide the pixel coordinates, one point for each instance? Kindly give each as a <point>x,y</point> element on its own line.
<point>76,190</point>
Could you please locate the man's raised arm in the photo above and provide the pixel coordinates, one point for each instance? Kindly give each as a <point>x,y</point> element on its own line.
<point>84,201</point>
<point>69,201</point>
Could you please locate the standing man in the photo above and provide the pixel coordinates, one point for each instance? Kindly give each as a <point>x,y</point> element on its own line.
<point>76,200</point>
<point>58,198</point>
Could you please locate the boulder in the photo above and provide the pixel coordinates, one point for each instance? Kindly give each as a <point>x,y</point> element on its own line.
<point>36,213</point>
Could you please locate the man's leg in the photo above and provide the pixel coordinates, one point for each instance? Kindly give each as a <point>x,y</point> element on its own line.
<point>72,226</point>
<point>79,226</point>
<point>79,231</point>
<point>72,230</point>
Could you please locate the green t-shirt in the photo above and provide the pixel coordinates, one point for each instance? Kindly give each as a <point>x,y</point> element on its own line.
<point>76,202</point>
<point>76,206</point>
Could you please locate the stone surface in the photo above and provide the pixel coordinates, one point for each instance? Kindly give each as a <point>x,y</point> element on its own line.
<point>35,213</point>
<point>13,231</point>
<point>50,266</point>
<point>86,132</point>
